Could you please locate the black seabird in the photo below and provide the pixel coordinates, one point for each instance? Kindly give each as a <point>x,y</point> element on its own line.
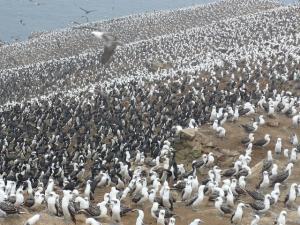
<point>110,44</point>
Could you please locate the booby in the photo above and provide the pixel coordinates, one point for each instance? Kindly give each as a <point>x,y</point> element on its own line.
<point>274,171</point>
<point>221,207</point>
<point>262,206</point>
<point>248,139</point>
<point>237,216</point>
<point>294,139</point>
<point>278,146</point>
<point>167,198</point>
<point>52,204</point>
<point>255,220</point>
<point>161,217</point>
<point>87,191</point>
<point>281,219</point>
<point>261,120</point>
<point>33,220</point>
<point>283,176</point>
<point>221,132</point>
<point>196,222</point>
<point>268,162</point>
<point>294,155</point>
<point>250,128</point>
<point>142,196</point>
<point>172,221</point>
<point>92,221</point>
<point>110,44</point>
<point>197,200</point>
<point>264,182</point>
<point>140,218</point>
<point>213,114</point>
<point>68,209</point>
<point>291,196</point>
<point>187,192</point>
<point>115,211</point>
<point>263,142</point>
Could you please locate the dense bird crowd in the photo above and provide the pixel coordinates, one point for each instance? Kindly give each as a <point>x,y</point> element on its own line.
<point>81,69</point>
<point>120,133</point>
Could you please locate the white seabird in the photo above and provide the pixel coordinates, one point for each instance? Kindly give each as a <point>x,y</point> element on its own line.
<point>281,219</point>
<point>68,211</point>
<point>264,182</point>
<point>221,207</point>
<point>197,200</point>
<point>92,221</point>
<point>33,220</point>
<point>140,218</point>
<point>237,216</point>
<point>196,222</point>
<point>255,220</point>
<point>278,146</point>
<point>291,196</point>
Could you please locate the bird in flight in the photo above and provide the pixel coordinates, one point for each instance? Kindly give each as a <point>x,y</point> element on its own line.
<point>87,11</point>
<point>110,44</point>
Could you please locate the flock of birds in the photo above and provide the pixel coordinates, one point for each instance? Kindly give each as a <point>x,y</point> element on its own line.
<point>70,58</point>
<point>60,148</point>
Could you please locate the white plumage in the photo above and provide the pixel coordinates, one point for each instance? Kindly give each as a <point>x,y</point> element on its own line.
<point>33,220</point>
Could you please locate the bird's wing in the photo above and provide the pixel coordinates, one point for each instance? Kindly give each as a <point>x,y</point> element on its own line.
<point>29,201</point>
<point>72,211</point>
<point>259,142</point>
<point>137,197</point>
<point>258,205</point>
<point>107,54</point>
<point>93,211</point>
<point>255,195</point>
<point>267,164</point>
<point>280,177</point>
<point>8,208</point>
<point>192,201</point>
<point>259,183</point>
<point>225,208</point>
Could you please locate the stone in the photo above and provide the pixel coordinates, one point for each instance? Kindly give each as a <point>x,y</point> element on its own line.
<point>188,134</point>
<point>272,123</point>
<point>197,152</point>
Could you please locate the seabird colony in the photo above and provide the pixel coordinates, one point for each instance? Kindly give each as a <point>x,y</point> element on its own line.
<point>69,58</point>
<point>121,137</point>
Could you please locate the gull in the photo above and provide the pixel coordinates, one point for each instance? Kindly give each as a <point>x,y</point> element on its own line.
<point>110,44</point>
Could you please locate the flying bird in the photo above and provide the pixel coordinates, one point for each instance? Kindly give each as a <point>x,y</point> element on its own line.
<point>110,44</point>
<point>87,11</point>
